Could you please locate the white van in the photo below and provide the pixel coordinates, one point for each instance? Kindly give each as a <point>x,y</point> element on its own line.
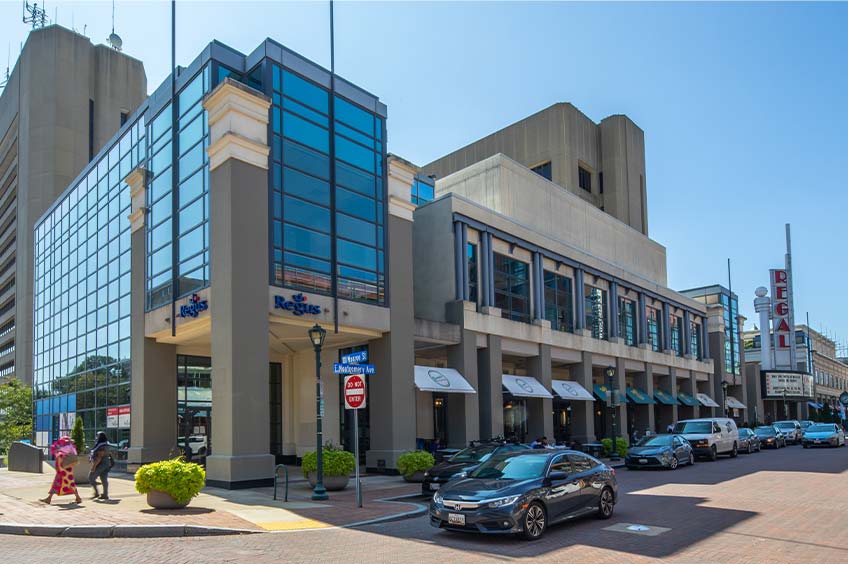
<point>710,436</point>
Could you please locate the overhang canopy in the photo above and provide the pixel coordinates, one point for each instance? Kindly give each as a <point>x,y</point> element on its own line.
<point>638,396</point>
<point>430,379</point>
<point>814,405</point>
<point>571,390</point>
<point>664,397</point>
<point>734,403</point>
<point>525,387</point>
<point>707,400</point>
<point>686,399</point>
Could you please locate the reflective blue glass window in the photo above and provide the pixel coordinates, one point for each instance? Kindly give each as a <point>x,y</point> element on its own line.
<point>354,116</point>
<point>305,92</point>
<point>354,154</point>
<point>305,132</point>
<point>306,159</point>
<point>307,214</point>
<point>306,241</point>
<point>306,187</point>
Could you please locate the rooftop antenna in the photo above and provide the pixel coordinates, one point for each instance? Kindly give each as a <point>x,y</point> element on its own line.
<point>115,41</point>
<point>34,15</point>
<point>5,80</point>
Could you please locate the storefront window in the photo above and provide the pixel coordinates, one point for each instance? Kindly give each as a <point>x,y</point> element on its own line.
<point>627,321</point>
<point>512,288</point>
<point>515,418</point>
<point>596,312</point>
<point>676,334</point>
<point>558,302</point>
<point>472,272</point>
<point>695,339</point>
<point>654,318</point>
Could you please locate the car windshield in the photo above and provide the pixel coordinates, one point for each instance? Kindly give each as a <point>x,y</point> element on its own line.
<point>784,425</point>
<point>659,440</point>
<point>693,427</point>
<point>519,467</point>
<point>805,424</point>
<point>473,454</point>
<point>821,429</point>
<point>744,432</point>
<point>766,431</point>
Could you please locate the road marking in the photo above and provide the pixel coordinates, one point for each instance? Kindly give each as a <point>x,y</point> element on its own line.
<point>637,529</point>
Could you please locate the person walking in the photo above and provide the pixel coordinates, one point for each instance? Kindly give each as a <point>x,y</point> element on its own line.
<point>66,458</point>
<point>101,462</point>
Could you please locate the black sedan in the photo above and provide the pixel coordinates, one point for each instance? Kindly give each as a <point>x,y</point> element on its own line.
<point>463,462</point>
<point>659,451</point>
<point>748,441</point>
<point>525,492</point>
<point>770,437</point>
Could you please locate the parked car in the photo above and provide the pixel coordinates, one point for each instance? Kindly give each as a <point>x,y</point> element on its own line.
<point>463,462</point>
<point>823,434</point>
<point>659,451</point>
<point>792,430</point>
<point>806,423</point>
<point>526,492</point>
<point>770,436</point>
<point>748,441</point>
<point>711,436</point>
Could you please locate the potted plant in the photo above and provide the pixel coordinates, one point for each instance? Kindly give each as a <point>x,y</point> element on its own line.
<point>170,484</point>
<point>83,467</point>
<point>338,464</point>
<point>412,465</point>
<point>620,443</point>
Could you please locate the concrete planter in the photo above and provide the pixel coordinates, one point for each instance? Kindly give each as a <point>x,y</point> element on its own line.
<point>416,477</point>
<point>331,483</point>
<point>163,500</point>
<point>81,471</point>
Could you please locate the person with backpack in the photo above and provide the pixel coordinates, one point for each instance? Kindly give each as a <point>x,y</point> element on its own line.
<point>101,462</point>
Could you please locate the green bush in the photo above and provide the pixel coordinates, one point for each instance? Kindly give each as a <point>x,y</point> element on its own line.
<point>411,462</point>
<point>78,435</point>
<point>337,462</point>
<point>183,480</point>
<point>620,444</point>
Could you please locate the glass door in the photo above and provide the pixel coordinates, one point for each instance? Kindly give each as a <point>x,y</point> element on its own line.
<point>194,407</point>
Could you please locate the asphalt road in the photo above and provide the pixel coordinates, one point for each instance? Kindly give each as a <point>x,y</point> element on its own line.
<point>776,506</point>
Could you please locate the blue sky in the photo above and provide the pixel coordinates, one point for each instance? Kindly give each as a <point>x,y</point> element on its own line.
<point>743,105</point>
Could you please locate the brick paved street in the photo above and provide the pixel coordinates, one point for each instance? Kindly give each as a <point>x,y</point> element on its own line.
<point>775,506</point>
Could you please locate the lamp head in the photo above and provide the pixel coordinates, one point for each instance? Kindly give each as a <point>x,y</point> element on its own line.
<point>316,335</point>
<point>610,371</point>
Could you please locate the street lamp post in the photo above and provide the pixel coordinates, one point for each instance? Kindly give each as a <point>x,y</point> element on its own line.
<point>724,398</point>
<point>785,409</point>
<point>612,391</point>
<point>316,337</point>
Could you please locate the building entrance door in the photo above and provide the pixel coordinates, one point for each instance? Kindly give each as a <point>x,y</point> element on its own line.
<point>194,407</point>
<point>440,419</point>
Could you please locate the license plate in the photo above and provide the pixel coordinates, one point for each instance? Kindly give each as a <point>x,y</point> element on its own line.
<point>456,518</point>
<point>643,461</point>
<point>434,487</point>
<point>818,441</point>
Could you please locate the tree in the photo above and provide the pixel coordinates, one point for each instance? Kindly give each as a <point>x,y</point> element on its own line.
<point>15,413</point>
<point>78,435</point>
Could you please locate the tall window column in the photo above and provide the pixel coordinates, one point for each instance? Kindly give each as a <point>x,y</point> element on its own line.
<point>613,325</point>
<point>459,261</point>
<point>466,288</point>
<point>666,334</point>
<point>579,301</point>
<point>687,334</point>
<point>538,287</point>
<point>643,320</point>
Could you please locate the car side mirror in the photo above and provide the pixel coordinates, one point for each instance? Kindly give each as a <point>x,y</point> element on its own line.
<point>557,476</point>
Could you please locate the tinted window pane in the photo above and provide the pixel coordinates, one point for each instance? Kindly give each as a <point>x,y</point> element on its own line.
<point>357,255</point>
<point>302,110</point>
<point>355,204</point>
<point>307,214</point>
<point>354,116</point>
<point>356,229</point>
<point>305,241</point>
<point>354,154</point>
<point>305,92</point>
<point>355,179</point>
<point>309,263</point>
<point>305,132</point>
<point>306,159</point>
<point>191,188</point>
<point>191,93</point>
<point>305,186</point>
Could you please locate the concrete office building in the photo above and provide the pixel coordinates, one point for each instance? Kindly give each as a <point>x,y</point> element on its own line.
<point>725,327</point>
<point>603,164</point>
<point>63,101</point>
<point>525,293</point>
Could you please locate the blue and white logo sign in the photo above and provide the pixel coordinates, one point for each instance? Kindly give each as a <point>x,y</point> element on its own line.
<point>355,358</point>
<point>297,305</point>
<point>367,369</point>
<point>194,307</point>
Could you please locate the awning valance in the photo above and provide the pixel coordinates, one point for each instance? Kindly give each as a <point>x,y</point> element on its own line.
<point>600,391</point>
<point>430,379</point>
<point>638,396</point>
<point>571,390</point>
<point>707,400</point>
<point>686,399</point>
<point>812,404</point>
<point>664,397</point>
<point>734,403</point>
<point>525,387</point>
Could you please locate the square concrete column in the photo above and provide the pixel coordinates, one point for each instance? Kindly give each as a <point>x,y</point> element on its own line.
<point>540,420</point>
<point>153,378</point>
<point>583,412</point>
<point>490,388</point>
<point>621,384</point>
<point>667,414</point>
<point>464,409</point>
<point>238,193</point>
<point>645,413</point>
<point>392,393</point>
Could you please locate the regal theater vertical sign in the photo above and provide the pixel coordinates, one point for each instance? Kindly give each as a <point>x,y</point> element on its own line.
<point>782,316</point>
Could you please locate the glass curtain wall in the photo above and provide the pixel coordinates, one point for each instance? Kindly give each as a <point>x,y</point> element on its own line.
<point>558,302</point>
<point>654,318</point>
<point>695,340</point>
<point>303,201</point>
<point>627,321</point>
<point>676,334</point>
<point>596,312</point>
<point>82,299</point>
<point>512,288</point>
<point>732,360</point>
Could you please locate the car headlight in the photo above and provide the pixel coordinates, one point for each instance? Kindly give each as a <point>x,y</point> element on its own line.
<point>437,498</point>
<point>504,501</point>
<point>427,474</point>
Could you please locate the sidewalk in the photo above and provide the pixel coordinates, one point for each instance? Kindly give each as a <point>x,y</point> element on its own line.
<point>214,511</point>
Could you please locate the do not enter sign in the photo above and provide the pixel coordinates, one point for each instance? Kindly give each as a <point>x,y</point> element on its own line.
<point>354,391</point>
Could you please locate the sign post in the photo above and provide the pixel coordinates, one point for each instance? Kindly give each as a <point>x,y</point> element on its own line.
<point>354,398</point>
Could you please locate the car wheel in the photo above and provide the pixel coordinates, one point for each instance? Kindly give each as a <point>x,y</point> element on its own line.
<point>735,452</point>
<point>673,464</point>
<point>805,445</point>
<point>691,458</point>
<point>535,521</point>
<point>750,448</point>
<point>713,453</point>
<point>606,504</point>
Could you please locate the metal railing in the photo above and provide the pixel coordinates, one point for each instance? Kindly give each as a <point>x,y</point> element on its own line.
<point>276,477</point>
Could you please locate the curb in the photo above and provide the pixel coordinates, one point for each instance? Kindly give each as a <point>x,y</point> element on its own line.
<point>118,531</point>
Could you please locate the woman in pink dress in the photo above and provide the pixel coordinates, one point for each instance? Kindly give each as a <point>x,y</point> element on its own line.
<point>63,484</point>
